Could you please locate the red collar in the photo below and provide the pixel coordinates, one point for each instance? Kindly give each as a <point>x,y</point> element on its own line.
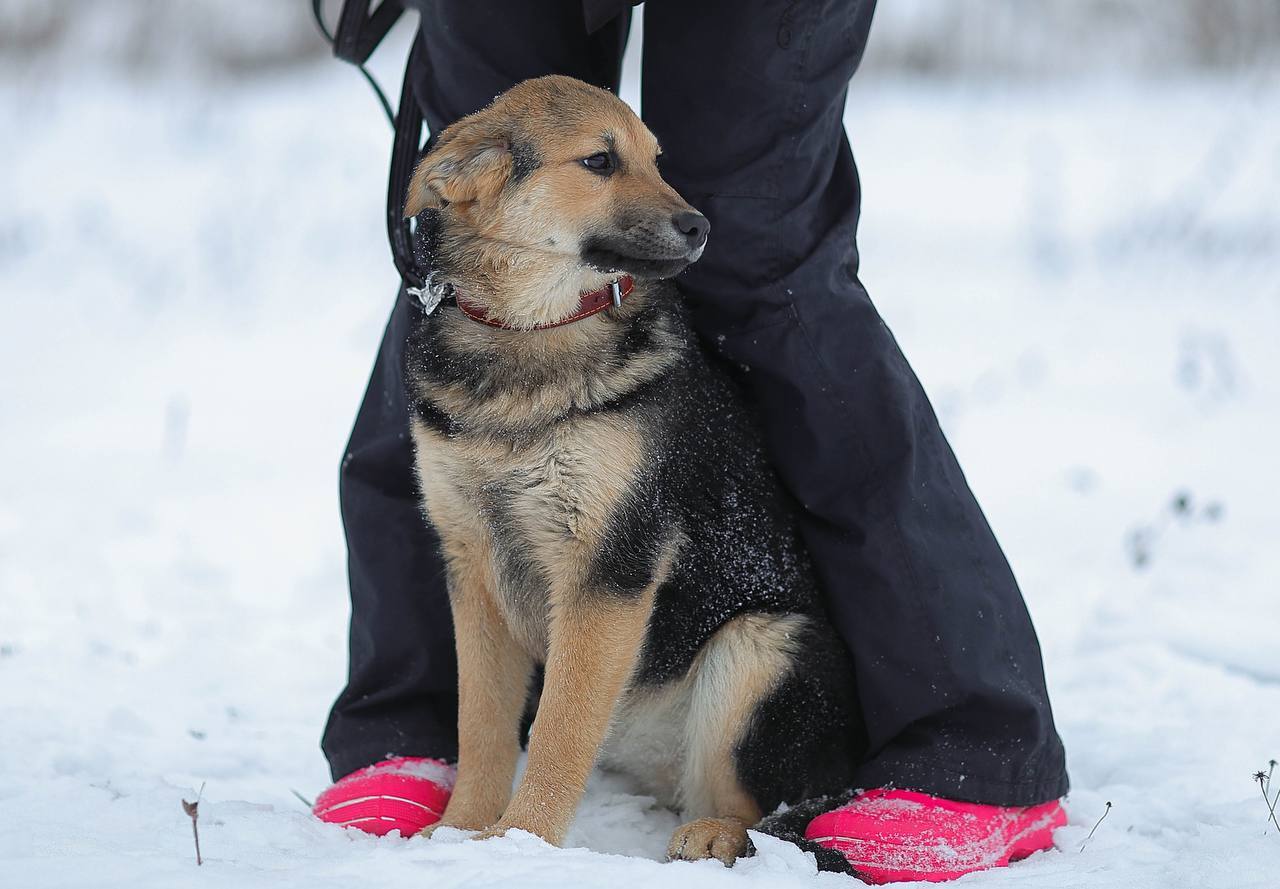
<point>592,303</point>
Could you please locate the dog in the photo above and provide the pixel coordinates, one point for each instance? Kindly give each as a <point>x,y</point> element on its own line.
<point>602,497</point>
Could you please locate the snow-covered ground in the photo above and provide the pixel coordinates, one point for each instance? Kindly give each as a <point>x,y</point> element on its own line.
<point>193,281</point>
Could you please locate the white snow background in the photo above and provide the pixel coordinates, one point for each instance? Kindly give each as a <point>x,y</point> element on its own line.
<point>194,278</point>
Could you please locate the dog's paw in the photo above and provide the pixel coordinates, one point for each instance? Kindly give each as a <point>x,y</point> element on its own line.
<point>720,838</point>
<point>548,833</point>
<point>457,823</point>
<point>495,830</point>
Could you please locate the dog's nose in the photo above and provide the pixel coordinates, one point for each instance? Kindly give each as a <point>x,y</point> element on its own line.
<point>694,227</point>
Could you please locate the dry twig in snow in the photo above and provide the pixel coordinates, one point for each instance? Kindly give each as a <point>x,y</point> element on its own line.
<point>193,811</point>
<point>1105,813</point>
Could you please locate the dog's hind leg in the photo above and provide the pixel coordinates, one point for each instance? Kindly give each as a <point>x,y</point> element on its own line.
<point>593,650</point>
<point>738,668</point>
<point>493,682</point>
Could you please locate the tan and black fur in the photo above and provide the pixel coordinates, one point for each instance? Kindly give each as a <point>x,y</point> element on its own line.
<point>603,501</point>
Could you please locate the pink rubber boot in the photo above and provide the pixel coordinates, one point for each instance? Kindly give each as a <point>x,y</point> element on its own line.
<point>404,793</point>
<point>890,836</point>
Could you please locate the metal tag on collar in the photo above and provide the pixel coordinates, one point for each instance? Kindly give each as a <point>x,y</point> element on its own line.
<point>429,295</point>
<point>616,289</point>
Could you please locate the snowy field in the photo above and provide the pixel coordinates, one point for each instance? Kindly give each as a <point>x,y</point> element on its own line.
<point>193,282</point>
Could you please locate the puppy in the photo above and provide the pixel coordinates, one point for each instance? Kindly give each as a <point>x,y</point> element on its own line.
<point>603,501</point>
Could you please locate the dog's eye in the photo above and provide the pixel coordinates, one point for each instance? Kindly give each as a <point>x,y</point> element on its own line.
<point>599,163</point>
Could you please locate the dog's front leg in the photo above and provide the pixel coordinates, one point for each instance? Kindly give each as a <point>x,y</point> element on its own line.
<point>593,649</point>
<point>493,683</point>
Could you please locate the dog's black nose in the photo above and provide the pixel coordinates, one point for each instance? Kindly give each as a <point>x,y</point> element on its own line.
<point>694,227</point>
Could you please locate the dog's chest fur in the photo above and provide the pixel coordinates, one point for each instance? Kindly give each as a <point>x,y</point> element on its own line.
<point>536,511</point>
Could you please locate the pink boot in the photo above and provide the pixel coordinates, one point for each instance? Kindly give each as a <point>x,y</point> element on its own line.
<point>890,836</point>
<point>405,793</point>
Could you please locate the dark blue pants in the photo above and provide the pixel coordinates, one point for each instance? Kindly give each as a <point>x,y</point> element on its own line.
<point>747,98</point>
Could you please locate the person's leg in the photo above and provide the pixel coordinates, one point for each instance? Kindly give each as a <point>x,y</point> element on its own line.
<point>746,98</point>
<point>401,693</point>
<point>474,51</point>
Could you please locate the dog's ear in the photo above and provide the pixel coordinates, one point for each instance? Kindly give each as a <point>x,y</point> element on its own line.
<point>470,162</point>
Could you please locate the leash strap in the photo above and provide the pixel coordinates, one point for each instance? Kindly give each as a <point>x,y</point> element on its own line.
<point>406,148</point>
<point>358,35</point>
<point>359,32</point>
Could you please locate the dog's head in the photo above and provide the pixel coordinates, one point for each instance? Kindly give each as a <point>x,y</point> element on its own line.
<point>550,191</point>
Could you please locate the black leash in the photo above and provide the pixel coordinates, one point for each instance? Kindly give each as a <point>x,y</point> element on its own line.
<point>358,34</point>
<point>359,37</point>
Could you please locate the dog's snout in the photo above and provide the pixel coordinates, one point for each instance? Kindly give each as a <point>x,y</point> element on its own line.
<point>693,226</point>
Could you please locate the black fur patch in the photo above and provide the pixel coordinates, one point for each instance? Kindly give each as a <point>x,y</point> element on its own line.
<point>807,735</point>
<point>638,337</point>
<point>434,417</point>
<point>627,562</point>
<point>523,578</point>
<point>525,158</point>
